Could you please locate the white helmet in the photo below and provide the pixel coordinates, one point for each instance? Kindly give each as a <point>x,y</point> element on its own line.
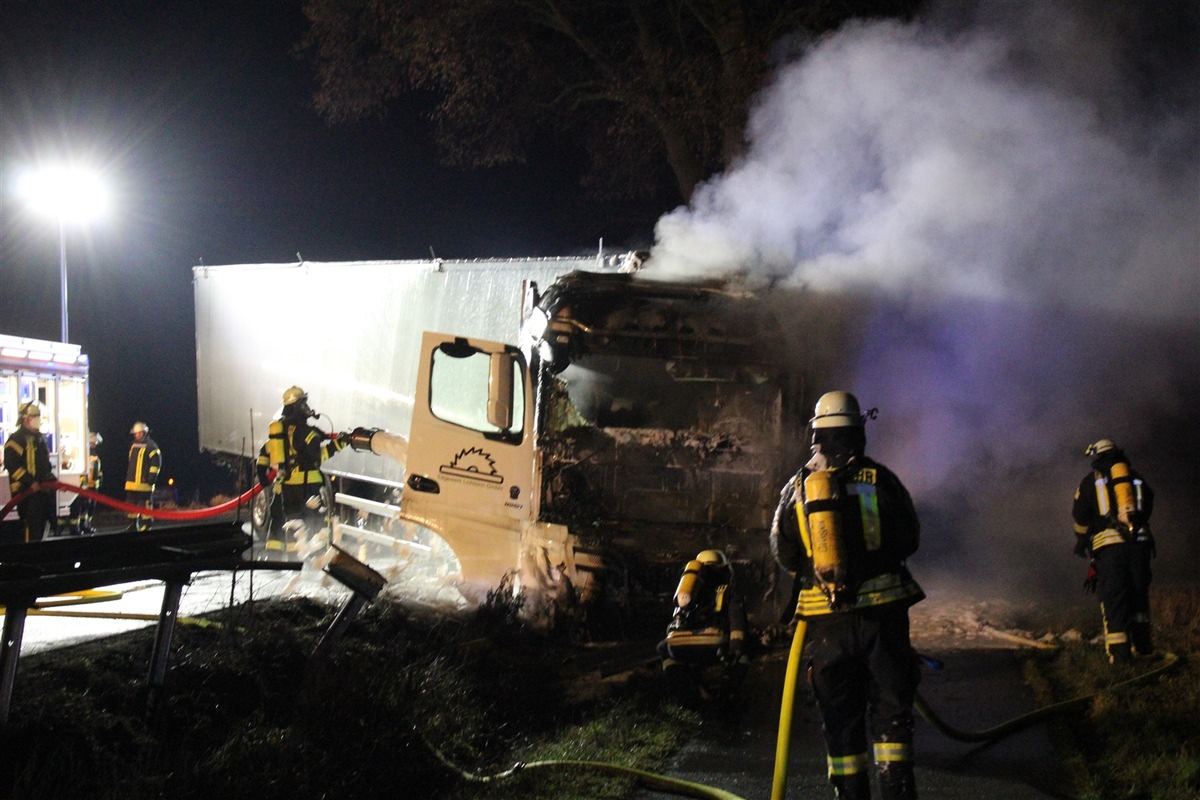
<point>1099,446</point>
<point>294,394</point>
<point>837,410</point>
<point>28,410</point>
<point>139,427</point>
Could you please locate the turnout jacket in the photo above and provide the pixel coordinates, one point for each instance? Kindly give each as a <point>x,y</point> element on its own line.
<point>1094,510</point>
<point>94,475</point>
<point>145,462</point>
<point>295,449</point>
<point>27,460</point>
<point>879,528</point>
<point>714,619</point>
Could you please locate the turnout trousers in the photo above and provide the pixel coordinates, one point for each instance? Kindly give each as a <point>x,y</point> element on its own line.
<point>864,675</point>
<point>1123,586</point>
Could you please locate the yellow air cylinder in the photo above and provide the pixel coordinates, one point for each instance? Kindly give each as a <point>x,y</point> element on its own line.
<point>687,583</point>
<point>820,506</point>
<point>1122,485</point>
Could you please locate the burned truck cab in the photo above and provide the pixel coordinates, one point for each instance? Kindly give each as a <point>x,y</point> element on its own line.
<point>664,421</point>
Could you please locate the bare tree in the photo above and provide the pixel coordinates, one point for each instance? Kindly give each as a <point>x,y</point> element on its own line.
<point>635,83</point>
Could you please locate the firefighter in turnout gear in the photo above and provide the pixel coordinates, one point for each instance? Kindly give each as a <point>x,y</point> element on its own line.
<point>844,527</point>
<point>707,633</point>
<point>1111,513</point>
<point>145,464</point>
<point>83,509</point>
<point>291,457</point>
<point>27,460</point>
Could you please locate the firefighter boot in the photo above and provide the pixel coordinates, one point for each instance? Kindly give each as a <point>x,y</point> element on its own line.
<point>1119,653</point>
<point>1143,640</point>
<point>896,780</point>
<point>855,786</point>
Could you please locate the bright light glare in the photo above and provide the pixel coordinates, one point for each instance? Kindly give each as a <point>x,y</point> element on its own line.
<point>70,194</point>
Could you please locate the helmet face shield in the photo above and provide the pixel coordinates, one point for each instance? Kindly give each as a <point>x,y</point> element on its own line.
<point>838,446</point>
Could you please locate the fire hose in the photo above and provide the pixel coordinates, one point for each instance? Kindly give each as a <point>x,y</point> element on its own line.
<point>156,513</point>
<point>684,788</point>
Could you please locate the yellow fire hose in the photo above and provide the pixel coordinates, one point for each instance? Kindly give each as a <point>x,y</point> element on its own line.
<point>683,788</point>
<point>783,741</point>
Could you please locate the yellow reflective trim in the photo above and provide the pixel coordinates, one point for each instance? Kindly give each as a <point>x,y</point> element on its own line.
<point>877,591</point>
<point>707,637</point>
<point>299,477</point>
<point>848,765</point>
<point>1107,537</point>
<point>868,506</point>
<point>887,752</point>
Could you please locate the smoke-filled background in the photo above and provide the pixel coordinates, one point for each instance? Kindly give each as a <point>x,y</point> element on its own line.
<point>994,216</point>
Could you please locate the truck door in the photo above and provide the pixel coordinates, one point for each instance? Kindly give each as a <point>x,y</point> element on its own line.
<point>470,458</point>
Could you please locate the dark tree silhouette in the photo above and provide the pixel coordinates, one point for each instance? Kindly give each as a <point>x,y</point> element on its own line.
<point>649,90</point>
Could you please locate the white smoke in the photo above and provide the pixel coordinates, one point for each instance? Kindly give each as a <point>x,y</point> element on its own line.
<point>1020,193</point>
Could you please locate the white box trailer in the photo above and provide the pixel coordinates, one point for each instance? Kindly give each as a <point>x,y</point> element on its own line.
<point>560,423</point>
<point>55,376</point>
<point>347,332</point>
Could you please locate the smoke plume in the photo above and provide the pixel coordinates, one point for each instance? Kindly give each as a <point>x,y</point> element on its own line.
<point>1001,209</point>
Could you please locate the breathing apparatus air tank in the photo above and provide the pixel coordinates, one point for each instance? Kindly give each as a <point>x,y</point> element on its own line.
<point>687,583</point>
<point>824,528</point>
<point>1123,493</point>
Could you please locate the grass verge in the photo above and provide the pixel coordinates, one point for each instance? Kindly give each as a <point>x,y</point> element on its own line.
<point>1134,742</point>
<point>246,716</point>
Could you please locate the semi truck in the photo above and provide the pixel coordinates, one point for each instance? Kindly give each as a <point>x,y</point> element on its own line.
<point>55,376</point>
<point>567,430</point>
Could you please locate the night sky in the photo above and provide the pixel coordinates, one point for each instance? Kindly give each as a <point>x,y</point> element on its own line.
<point>200,118</point>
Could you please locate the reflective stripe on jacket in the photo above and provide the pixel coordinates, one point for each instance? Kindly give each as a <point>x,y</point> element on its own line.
<point>145,462</point>
<point>880,530</point>
<point>1092,513</point>
<point>27,460</point>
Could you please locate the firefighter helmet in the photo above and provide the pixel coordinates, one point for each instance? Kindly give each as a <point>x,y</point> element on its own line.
<point>139,427</point>
<point>837,410</point>
<point>294,394</point>
<point>28,410</point>
<point>716,557</point>
<point>1099,446</point>
<point>95,439</point>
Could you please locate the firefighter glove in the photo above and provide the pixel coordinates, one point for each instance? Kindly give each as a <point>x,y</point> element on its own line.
<point>1081,546</point>
<point>1089,581</point>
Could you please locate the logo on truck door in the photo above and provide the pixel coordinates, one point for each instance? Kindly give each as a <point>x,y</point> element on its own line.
<point>474,465</point>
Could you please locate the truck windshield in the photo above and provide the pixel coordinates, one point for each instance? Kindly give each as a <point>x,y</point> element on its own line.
<point>629,392</point>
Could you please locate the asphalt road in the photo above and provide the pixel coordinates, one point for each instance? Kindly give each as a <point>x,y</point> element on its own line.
<point>978,688</point>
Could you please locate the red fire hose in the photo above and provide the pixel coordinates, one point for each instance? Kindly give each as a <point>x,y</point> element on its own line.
<point>156,513</point>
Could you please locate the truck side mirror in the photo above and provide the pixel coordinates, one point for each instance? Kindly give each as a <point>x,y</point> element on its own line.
<point>500,390</point>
